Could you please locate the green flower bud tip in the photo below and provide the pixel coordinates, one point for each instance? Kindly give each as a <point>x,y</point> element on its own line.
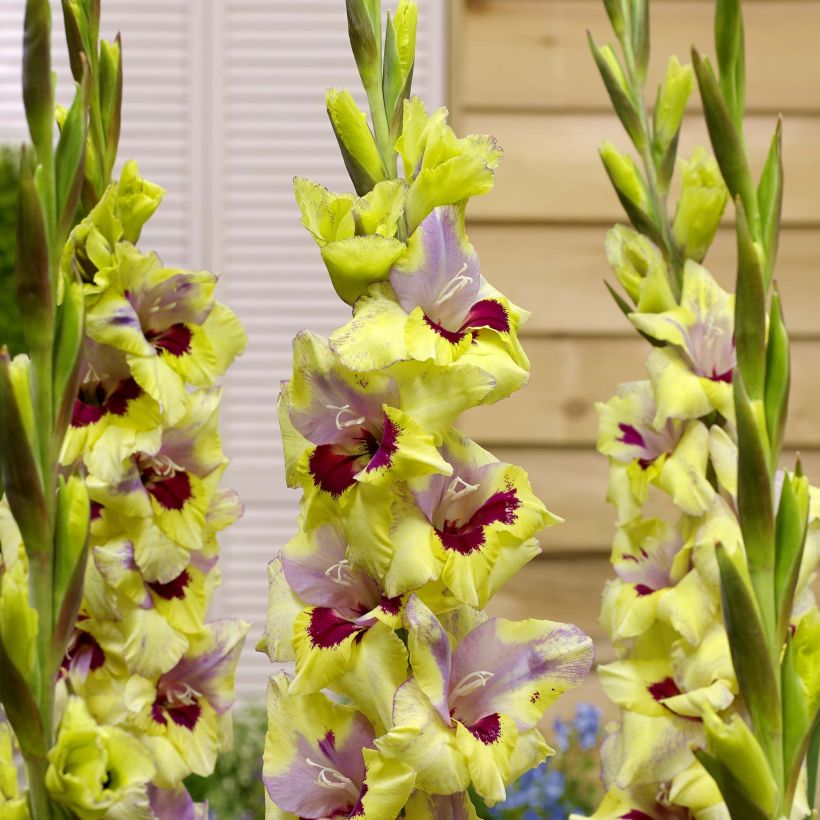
<point>625,176</point>
<point>677,87</point>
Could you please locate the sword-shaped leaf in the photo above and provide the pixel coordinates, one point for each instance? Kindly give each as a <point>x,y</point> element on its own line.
<point>770,200</point>
<point>790,536</point>
<point>778,378</point>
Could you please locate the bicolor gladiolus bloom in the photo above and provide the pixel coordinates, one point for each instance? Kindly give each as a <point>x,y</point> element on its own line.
<point>468,714</point>
<point>320,761</point>
<point>375,427</point>
<point>473,527</point>
<point>168,325</point>
<point>437,307</point>
<point>673,457</point>
<point>160,499</point>
<point>179,712</point>
<point>692,373</point>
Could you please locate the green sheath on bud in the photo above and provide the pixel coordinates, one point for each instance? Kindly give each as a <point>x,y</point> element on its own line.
<point>790,536</point>
<point>618,89</point>
<point>778,379</point>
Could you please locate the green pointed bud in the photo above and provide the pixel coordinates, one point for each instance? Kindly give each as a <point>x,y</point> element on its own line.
<point>639,19</point>
<point>778,378</point>
<point>365,30</point>
<point>38,95</point>
<point>615,12</point>
<point>701,205</point>
<point>358,147</point>
<point>630,188</point>
<point>18,619</point>
<point>731,58</point>
<point>71,550</point>
<point>673,96</point>
<point>70,159</point>
<point>67,348</point>
<point>739,751</point>
<point>32,272</point>
<point>791,525</point>
<point>618,89</point>
<point>399,62</point>
<point>641,269</point>
<point>110,88</point>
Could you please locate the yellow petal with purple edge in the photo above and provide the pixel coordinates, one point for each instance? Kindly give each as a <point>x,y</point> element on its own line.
<point>424,343</point>
<point>158,557</point>
<point>377,668</point>
<point>157,378</point>
<point>420,739</point>
<point>624,612</point>
<point>388,783</point>
<point>629,684</point>
<point>467,574</point>
<point>488,757</point>
<point>152,645</point>
<point>430,654</point>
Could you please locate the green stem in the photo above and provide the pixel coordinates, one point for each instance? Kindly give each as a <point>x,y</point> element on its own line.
<point>381,130</point>
<point>657,198</point>
<point>39,801</point>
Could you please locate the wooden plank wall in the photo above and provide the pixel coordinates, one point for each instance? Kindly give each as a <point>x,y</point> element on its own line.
<point>521,70</point>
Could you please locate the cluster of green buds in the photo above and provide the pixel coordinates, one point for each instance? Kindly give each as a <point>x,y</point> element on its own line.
<point>114,683</point>
<point>403,695</point>
<point>712,615</point>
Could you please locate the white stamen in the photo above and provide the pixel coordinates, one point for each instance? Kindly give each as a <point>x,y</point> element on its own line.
<point>469,683</point>
<point>340,573</point>
<point>458,489</point>
<point>332,779</point>
<point>454,286</point>
<point>163,466</point>
<point>341,425</point>
<point>182,693</point>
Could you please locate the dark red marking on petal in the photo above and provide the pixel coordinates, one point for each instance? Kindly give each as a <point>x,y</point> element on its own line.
<point>334,468</point>
<point>85,414</point>
<point>535,697</point>
<point>488,313</point>
<point>96,510</point>
<point>84,643</point>
<point>487,730</point>
<point>631,436</point>
<point>636,814</point>
<point>171,492</point>
<point>722,377</point>
<point>327,629</point>
<point>185,715</point>
<point>358,809</point>
<point>469,537</point>
<point>124,392</point>
<point>176,340</point>
<point>643,589</point>
<point>452,336</point>
<point>157,713</point>
<point>666,688</point>
<point>388,445</point>
<point>173,589</point>
<point>392,606</point>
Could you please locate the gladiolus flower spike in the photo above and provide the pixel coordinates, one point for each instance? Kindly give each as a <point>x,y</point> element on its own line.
<point>403,696</point>
<point>712,614</point>
<point>115,685</point>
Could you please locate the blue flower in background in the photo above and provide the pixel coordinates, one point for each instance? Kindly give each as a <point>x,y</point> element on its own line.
<point>587,724</point>
<point>562,730</point>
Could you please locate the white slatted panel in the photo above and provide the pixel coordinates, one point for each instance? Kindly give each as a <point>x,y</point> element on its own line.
<point>224,104</point>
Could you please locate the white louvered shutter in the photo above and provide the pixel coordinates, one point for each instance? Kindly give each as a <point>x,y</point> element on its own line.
<point>223,106</point>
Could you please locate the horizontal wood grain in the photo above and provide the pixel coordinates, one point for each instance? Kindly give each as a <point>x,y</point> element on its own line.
<point>557,272</point>
<point>533,54</point>
<point>569,375</point>
<point>551,170</point>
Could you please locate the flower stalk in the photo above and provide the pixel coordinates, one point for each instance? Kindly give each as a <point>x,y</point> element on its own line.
<point>730,579</point>
<point>407,528</point>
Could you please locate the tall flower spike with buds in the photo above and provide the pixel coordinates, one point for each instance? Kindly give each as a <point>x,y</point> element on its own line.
<point>711,614</point>
<point>115,684</point>
<point>403,698</point>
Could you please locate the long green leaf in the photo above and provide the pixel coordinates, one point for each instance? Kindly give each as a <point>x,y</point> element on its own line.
<point>740,805</point>
<point>770,201</point>
<point>750,309</point>
<point>729,42</point>
<point>726,141</point>
<point>755,504</point>
<point>751,658</point>
<point>778,378</point>
<point>38,95</point>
